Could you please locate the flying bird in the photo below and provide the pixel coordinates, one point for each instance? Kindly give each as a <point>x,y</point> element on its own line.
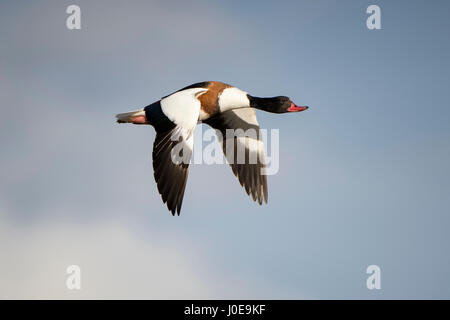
<point>222,107</point>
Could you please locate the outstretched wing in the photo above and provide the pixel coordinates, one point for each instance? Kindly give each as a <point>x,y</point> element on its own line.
<point>244,152</point>
<point>174,119</point>
<point>172,151</point>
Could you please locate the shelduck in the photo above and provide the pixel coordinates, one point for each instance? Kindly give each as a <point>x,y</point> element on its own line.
<point>221,106</point>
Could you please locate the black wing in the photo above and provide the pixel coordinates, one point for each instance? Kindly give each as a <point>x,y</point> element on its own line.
<point>172,152</point>
<point>251,171</point>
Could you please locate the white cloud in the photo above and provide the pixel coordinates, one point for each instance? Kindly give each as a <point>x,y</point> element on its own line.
<point>114,261</point>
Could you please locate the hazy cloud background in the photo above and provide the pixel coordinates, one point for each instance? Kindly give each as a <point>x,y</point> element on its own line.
<point>364,174</point>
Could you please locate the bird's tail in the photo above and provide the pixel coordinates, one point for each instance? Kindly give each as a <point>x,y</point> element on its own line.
<point>136,117</point>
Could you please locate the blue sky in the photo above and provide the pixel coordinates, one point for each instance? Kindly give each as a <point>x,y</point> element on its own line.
<point>364,173</point>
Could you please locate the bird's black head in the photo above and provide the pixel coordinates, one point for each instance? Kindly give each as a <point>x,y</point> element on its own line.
<point>279,104</point>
